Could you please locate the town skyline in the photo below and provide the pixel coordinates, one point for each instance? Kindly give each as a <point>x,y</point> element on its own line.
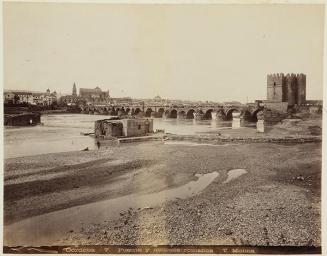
<point>198,52</point>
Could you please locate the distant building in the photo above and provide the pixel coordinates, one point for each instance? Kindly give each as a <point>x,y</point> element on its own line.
<point>95,95</point>
<point>18,97</point>
<point>8,97</point>
<point>72,99</point>
<point>126,100</point>
<point>30,97</point>
<point>50,98</point>
<point>38,98</point>
<point>86,96</point>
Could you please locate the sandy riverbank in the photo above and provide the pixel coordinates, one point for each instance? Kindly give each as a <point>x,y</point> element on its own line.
<point>277,202</point>
<point>288,131</point>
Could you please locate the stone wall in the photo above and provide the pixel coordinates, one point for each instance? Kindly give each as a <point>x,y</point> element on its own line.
<point>272,117</point>
<point>277,106</point>
<point>137,127</point>
<point>108,128</point>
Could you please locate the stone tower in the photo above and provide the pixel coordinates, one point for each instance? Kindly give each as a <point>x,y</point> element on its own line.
<point>301,83</point>
<point>74,90</point>
<point>275,87</point>
<point>290,88</point>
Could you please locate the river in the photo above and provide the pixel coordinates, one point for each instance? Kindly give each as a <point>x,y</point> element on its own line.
<point>62,133</point>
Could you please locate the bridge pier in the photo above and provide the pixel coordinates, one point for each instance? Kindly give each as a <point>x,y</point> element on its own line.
<point>160,114</point>
<point>260,121</point>
<point>140,114</point>
<point>198,116</point>
<point>168,115</point>
<point>236,123</point>
<point>220,116</point>
<point>181,115</point>
<point>120,113</point>
<point>214,115</point>
<point>156,114</point>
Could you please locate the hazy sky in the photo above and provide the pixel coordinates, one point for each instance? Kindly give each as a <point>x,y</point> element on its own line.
<point>196,52</point>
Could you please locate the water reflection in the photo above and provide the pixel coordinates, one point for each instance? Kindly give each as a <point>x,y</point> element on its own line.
<point>62,133</point>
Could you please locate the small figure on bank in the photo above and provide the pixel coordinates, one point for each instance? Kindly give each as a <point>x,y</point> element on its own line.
<point>98,144</point>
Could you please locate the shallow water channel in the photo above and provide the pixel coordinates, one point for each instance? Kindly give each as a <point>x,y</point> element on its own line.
<point>234,174</point>
<point>48,228</point>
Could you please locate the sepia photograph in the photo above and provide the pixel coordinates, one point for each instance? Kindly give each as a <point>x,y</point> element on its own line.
<point>160,128</point>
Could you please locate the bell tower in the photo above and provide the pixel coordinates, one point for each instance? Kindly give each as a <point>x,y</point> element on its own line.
<point>74,90</point>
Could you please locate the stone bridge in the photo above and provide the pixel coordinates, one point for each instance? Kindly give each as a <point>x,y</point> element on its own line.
<point>248,112</point>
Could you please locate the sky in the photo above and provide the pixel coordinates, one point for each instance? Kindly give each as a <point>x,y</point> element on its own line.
<point>191,52</point>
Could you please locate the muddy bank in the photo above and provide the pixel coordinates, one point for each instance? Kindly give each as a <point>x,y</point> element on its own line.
<point>218,139</point>
<point>288,131</point>
<point>275,202</point>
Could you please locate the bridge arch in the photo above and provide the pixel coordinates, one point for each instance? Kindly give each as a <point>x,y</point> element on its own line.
<point>247,116</point>
<point>181,114</point>
<point>207,114</point>
<point>254,114</point>
<point>173,113</point>
<point>229,113</point>
<point>190,114</point>
<point>112,111</point>
<point>137,111</point>
<point>148,112</point>
<point>118,111</point>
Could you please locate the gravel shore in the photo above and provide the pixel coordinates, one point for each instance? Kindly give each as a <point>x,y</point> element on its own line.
<point>277,202</point>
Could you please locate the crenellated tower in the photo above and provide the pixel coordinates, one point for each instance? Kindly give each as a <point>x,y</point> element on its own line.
<point>301,81</point>
<point>290,88</point>
<point>275,83</point>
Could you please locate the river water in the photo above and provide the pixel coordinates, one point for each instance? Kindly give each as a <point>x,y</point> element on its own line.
<point>62,133</point>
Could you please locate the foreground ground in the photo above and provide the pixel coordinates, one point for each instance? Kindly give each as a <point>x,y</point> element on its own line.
<point>277,202</point>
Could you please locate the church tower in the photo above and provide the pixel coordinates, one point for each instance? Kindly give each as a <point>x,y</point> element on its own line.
<point>74,90</point>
